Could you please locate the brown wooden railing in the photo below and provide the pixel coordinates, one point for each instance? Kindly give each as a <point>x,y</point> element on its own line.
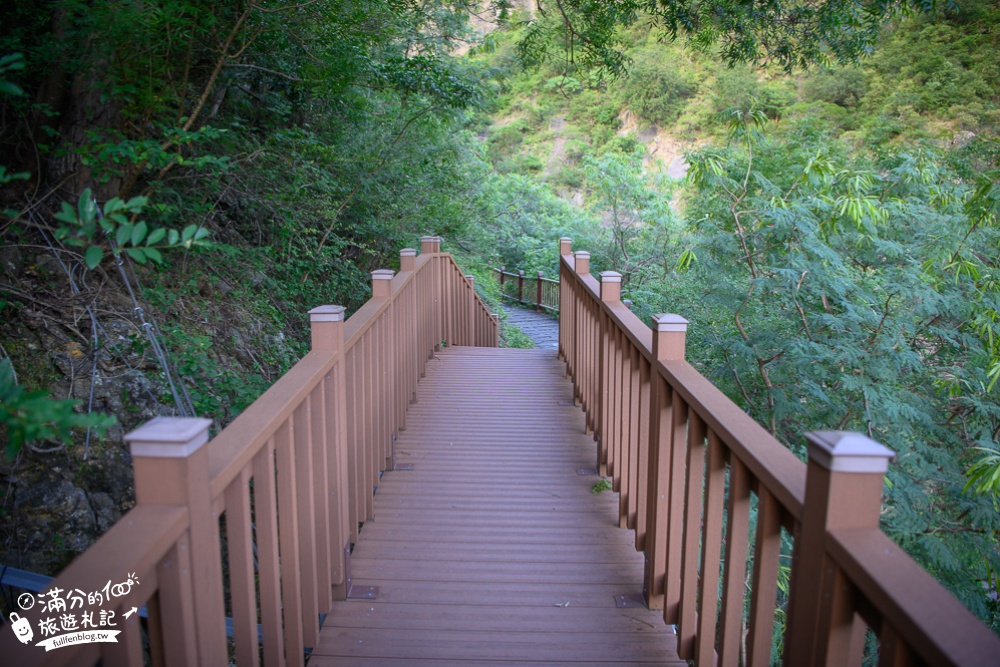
<point>287,485</point>
<point>538,291</point>
<point>688,463</point>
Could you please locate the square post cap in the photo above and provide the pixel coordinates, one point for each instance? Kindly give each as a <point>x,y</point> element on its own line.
<point>565,245</point>
<point>169,437</point>
<point>669,322</point>
<point>581,254</point>
<point>471,278</point>
<point>846,451</point>
<point>327,314</point>
<point>611,277</point>
<point>383,274</point>
<point>408,252</point>
<point>430,244</point>
<point>495,316</point>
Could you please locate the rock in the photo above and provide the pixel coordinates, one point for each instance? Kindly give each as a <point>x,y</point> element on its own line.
<point>54,518</point>
<point>11,261</point>
<point>48,267</point>
<point>105,511</point>
<point>961,139</point>
<point>223,287</point>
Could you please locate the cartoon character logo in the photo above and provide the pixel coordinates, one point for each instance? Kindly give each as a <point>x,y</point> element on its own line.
<point>21,627</point>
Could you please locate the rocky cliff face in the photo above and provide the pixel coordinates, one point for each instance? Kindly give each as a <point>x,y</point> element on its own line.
<point>58,498</point>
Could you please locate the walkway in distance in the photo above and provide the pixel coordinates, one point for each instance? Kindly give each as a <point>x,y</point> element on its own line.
<point>492,549</point>
<point>541,328</point>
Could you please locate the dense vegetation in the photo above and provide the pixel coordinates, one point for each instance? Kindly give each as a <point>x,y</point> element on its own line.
<point>834,243</point>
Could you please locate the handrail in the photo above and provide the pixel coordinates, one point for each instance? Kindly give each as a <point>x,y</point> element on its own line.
<point>289,482</point>
<point>537,291</point>
<point>678,450</point>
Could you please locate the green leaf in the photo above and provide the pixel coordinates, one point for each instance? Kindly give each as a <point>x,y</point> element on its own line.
<point>202,233</point>
<point>138,254</point>
<point>156,236</point>
<point>67,214</point>
<point>188,232</point>
<point>86,207</point>
<point>136,204</point>
<point>153,254</point>
<point>93,256</point>
<point>173,237</point>
<point>8,88</point>
<point>112,205</point>
<point>123,234</point>
<point>139,232</point>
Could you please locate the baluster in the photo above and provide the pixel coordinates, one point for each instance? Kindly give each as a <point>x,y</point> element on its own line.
<point>241,570</point>
<point>711,544</point>
<point>473,310</point>
<point>642,483</point>
<point>691,536</point>
<point>764,582</point>
<point>302,451</point>
<point>538,299</point>
<point>633,437</point>
<point>737,525</point>
<point>268,564</point>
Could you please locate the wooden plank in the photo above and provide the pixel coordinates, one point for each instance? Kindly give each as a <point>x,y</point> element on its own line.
<point>563,646</point>
<point>493,547</point>
<point>498,552</point>
<point>322,661</point>
<point>634,620</point>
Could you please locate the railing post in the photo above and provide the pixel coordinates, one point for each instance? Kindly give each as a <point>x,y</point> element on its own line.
<point>496,329</point>
<point>520,286</point>
<point>430,244</point>
<point>502,269</point>
<point>844,479</point>
<point>327,327</point>
<point>566,303</point>
<point>627,303</point>
<point>382,283</point>
<point>171,468</point>
<point>611,286</point>
<point>407,259</point>
<point>610,293</point>
<point>565,246</point>
<point>669,333</point>
<point>582,260</point>
<point>538,300</point>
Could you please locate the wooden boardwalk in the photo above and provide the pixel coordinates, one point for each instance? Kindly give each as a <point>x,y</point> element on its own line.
<point>493,550</point>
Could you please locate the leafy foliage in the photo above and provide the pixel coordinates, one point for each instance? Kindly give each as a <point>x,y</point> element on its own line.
<point>790,34</point>
<point>31,416</point>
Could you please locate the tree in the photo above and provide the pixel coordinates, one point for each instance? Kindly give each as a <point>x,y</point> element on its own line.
<point>858,295</point>
<point>790,33</point>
